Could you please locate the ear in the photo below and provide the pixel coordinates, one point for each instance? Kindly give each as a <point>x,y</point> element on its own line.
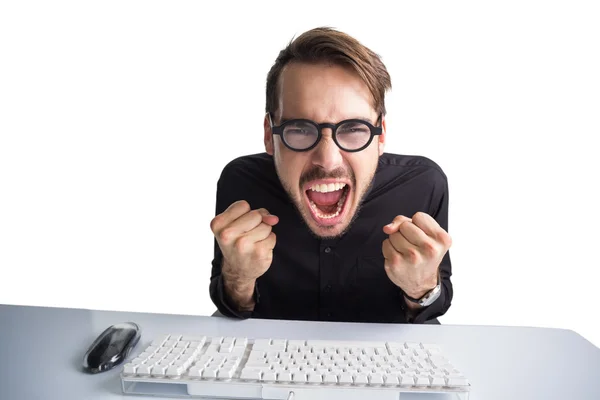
<point>381,141</point>
<point>268,135</point>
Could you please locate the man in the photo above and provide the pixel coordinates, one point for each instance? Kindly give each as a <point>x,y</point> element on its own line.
<point>325,225</point>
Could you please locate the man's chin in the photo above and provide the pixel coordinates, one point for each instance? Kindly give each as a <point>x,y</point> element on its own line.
<point>325,231</point>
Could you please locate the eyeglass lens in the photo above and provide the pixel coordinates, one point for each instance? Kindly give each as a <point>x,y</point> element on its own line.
<point>350,135</point>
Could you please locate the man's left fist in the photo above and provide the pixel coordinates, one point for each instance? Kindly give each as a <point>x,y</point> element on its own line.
<point>413,252</point>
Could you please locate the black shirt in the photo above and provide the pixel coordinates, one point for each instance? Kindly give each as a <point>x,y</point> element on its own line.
<point>341,279</point>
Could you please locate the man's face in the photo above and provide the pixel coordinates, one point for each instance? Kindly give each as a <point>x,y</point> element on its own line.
<point>325,183</point>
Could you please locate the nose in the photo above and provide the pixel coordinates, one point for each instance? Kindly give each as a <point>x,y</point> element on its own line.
<point>327,154</point>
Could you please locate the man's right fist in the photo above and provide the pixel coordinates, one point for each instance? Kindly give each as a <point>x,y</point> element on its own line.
<point>246,241</point>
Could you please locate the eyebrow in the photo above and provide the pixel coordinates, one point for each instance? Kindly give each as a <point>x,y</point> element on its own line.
<point>283,120</point>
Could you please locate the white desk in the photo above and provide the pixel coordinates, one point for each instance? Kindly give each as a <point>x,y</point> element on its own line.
<point>41,352</point>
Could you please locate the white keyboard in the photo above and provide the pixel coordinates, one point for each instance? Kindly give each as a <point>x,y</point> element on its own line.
<point>243,368</point>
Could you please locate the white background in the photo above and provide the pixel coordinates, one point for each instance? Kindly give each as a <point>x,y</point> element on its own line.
<point>116,118</point>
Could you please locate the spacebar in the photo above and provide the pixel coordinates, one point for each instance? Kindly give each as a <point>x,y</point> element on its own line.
<point>327,393</point>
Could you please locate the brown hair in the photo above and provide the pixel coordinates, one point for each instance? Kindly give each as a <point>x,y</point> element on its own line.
<point>327,45</point>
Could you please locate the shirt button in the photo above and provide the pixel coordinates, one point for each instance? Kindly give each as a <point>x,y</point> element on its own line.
<point>327,250</point>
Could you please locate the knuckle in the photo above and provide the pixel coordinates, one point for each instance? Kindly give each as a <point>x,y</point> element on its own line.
<point>226,236</point>
<point>413,255</point>
<point>215,222</point>
<point>242,245</point>
<point>389,270</point>
<point>257,213</point>
<point>400,218</point>
<point>429,249</point>
<point>419,215</point>
<point>446,239</point>
<point>263,253</point>
<point>396,260</point>
<point>243,204</point>
<point>403,227</point>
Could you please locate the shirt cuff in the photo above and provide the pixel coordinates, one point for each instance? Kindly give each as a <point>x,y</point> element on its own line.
<point>225,304</point>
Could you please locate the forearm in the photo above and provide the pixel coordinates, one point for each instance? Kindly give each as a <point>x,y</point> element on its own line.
<point>239,291</point>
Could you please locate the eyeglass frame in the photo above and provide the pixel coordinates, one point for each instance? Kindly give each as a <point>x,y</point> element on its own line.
<point>278,130</point>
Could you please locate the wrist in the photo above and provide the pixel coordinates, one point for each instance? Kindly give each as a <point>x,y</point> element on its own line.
<point>424,296</point>
<point>240,291</point>
<point>422,290</point>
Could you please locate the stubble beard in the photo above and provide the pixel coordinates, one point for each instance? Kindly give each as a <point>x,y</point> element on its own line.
<point>305,215</point>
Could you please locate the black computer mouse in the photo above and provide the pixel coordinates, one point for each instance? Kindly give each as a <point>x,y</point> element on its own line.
<point>112,347</point>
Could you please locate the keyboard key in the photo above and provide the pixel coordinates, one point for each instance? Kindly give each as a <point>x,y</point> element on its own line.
<point>376,379</point>
<point>345,378</point>
<point>225,373</point>
<point>438,381</point>
<point>391,380</point>
<point>299,377</point>
<point>129,368</point>
<point>209,373</point>
<point>361,379</point>
<point>190,351</point>
<point>422,381</point>
<point>251,374</point>
<point>195,372</point>
<point>144,369</point>
<point>457,382</point>
<point>407,380</point>
<point>191,338</point>
<point>174,370</point>
<point>196,345</point>
<point>269,376</point>
<point>284,376</point>
<point>159,370</point>
<point>226,348</point>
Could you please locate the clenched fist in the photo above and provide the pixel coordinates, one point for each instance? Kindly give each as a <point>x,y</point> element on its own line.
<point>246,241</point>
<point>413,252</point>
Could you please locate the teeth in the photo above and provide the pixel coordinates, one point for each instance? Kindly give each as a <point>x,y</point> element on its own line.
<point>340,203</point>
<point>331,187</point>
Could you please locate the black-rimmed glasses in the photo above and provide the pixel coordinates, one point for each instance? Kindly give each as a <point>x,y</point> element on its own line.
<point>350,135</point>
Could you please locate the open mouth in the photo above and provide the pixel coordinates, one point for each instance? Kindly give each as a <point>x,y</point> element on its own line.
<point>327,201</point>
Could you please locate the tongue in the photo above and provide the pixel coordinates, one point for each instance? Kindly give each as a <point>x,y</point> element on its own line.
<point>325,199</point>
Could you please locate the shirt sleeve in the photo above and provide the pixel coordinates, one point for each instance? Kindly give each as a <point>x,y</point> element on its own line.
<point>439,212</point>
<point>218,295</point>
